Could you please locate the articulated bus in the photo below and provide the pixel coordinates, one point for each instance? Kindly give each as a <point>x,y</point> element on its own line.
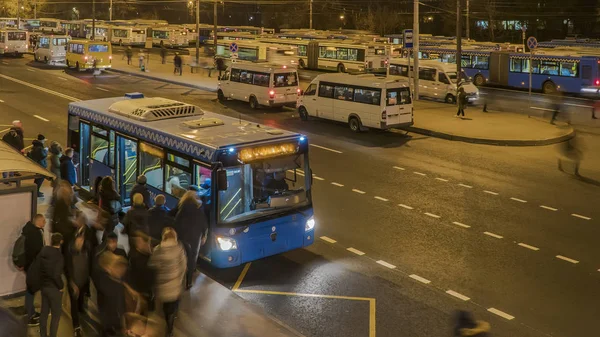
<point>13,42</point>
<point>44,25</point>
<point>102,32</point>
<point>254,51</point>
<point>255,180</point>
<point>128,35</point>
<point>74,28</point>
<point>8,23</point>
<point>169,36</point>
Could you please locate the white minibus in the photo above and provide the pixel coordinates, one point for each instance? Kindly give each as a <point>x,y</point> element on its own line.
<point>51,49</point>
<point>259,84</point>
<point>126,35</point>
<point>362,101</point>
<point>13,41</point>
<point>437,80</point>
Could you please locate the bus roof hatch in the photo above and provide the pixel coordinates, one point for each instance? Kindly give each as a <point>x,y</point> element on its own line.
<point>154,108</point>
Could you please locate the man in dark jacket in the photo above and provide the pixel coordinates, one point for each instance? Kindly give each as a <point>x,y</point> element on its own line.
<point>141,188</point>
<point>52,265</point>
<point>14,138</point>
<point>38,154</point>
<point>111,292</point>
<point>34,242</point>
<point>67,168</point>
<point>158,219</point>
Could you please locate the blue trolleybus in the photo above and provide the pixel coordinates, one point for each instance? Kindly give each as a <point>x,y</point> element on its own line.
<point>254,180</point>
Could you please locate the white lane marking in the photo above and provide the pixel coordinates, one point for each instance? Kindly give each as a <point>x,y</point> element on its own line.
<point>327,239</point>
<point>543,109</point>
<point>467,186</point>
<point>317,177</point>
<point>355,251</point>
<point>61,78</point>
<point>1,101</point>
<point>564,258</point>
<point>358,191</point>
<point>33,71</point>
<point>528,246</point>
<point>549,208</point>
<point>461,224</point>
<point>51,92</point>
<point>405,206</point>
<point>578,105</point>
<point>380,198</point>
<point>399,168</point>
<point>385,264</point>
<point>493,235</point>
<point>517,199</point>
<point>337,184</point>
<point>442,179</point>
<point>102,89</point>
<point>490,192</point>
<point>419,173</point>
<point>457,295</point>
<point>325,148</point>
<point>432,215</point>
<point>501,313</point>
<point>42,118</point>
<point>6,63</point>
<point>419,278</point>
<point>581,216</point>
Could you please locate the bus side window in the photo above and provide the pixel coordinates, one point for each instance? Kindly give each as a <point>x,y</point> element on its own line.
<point>311,90</point>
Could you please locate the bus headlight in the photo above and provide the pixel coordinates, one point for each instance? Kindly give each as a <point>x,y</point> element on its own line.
<point>310,224</point>
<point>226,243</point>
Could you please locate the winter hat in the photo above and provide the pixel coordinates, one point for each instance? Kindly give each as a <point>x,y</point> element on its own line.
<point>141,179</point>
<point>41,137</point>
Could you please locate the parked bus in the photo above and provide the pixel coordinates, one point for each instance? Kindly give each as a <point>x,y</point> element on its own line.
<point>128,35</point>
<point>13,42</point>
<point>258,52</point>
<point>259,84</point>
<point>85,54</point>
<point>51,49</point>
<point>169,36</point>
<point>255,179</point>
<point>45,25</point>
<point>102,32</point>
<point>362,101</point>
<point>75,28</point>
<point>8,23</point>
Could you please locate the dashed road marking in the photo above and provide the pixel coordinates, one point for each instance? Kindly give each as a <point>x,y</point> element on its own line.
<point>358,191</point>
<point>42,118</point>
<point>467,186</point>
<point>52,92</point>
<point>432,215</point>
<point>493,235</point>
<point>457,295</point>
<point>501,314</point>
<point>581,216</point>
<point>327,239</point>
<point>102,89</point>
<point>318,178</point>
<point>528,246</point>
<point>5,63</point>
<point>385,264</point>
<point>399,168</point>
<point>33,71</point>
<point>1,101</point>
<point>579,105</point>
<point>337,184</point>
<point>325,148</point>
<point>519,200</point>
<point>355,251</point>
<point>564,258</point>
<point>380,198</point>
<point>419,173</point>
<point>549,208</point>
<point>490,192</point>
<point>61,78</point>
<point>461,224</point>
<point>543,109</point>
<point>419,278</point>
<point>405,206</point>
<point>442,179</point>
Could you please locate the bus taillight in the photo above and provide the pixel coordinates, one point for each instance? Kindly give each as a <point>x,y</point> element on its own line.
<point>383,115</point>
<point>272,94</point>
<point>597,82</point>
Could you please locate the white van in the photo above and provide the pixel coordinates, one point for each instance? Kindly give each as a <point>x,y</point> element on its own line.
<point>362,101</point>
<point>13,41</point>
<point>51,49</point>
<point>437,79</point>
<point>259,84</point>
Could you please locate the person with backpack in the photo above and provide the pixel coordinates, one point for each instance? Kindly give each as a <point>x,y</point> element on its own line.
<point>51,270</point>
<point>39,154</point>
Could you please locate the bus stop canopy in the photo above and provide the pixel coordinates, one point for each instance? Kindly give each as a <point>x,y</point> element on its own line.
<point>13,161</point>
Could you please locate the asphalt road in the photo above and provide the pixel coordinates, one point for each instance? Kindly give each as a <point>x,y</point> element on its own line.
<point>411,228</point>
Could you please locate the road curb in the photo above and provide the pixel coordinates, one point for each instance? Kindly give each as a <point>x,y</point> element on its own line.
<point>487,141</point>
<point>156,78</point>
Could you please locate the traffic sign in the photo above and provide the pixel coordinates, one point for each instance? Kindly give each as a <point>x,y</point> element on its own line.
<point>233,47</point>
<point>532,42</point>
<point>407,40</point>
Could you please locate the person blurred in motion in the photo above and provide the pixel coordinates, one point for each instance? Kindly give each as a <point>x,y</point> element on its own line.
<point>460,101</point>
<point>34,242</point>
<point>55,152</point>
<point>467,326</point>
<point>135,222</point>
<point>158,219</point>
<point>67,168</point>
<point>110,202</point>
<point>169,263</point>
<point>191,225</point>
<point>51,266</point>
<point>556,107</point>
<point>571,151</point>
<point>141,188</point>
<point>128,54</point>
<point>14,138</point>
<point>39,154</point>
<point>595,108</point>
<point>110,244</point>
<point>140,275</point>
<point>62,212</point>
<point>163,54</point>
<point>111,293</point>
<point>177,62</point>
<point>140,326</point>
<point>96,198</point>
<point>11,325</point>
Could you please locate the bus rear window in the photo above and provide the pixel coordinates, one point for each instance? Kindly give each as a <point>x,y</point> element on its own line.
<point>98,48</point>
<point>286,80</point>
<point>60,42</point>
<point>17,36</point>
<point>398,96</point>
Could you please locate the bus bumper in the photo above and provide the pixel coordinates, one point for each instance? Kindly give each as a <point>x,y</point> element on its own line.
<point>274,103</point>
<point>384,126</point>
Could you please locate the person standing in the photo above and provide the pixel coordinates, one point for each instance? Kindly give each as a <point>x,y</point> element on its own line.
<point>128,54</point>
<point>461,100</point>
<point>141,188</point>
<point>190,225</point>
<point>169,263</point>
<point>55,152</point>
<point>110,202</point>
<point>177,62</point>
<point>163,54</point>
<point>14,138</point>
<point>135,223</point>
<point>34,242</point>
<point>63,212</point>
<point>595,108</point>
<point>111,293</point>
<point>67,168</point>
<point>39,154</point>
<point>158,218</point>
<point>51,267</point>
<point>140,275</point>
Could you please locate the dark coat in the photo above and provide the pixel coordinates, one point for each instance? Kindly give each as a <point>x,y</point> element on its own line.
<point>34,242</point>
<point>62,221</point>
<point>54,157</point>
<point>111,300</point>
<point>67,170</point>
<point>158,219</point>
<point>38,153</point>
<point>143,190</point>
<point>136,220</point>
<point>190,224</point>
<point>14,138</point>
<point>108,201</point>
<point>139,275</point>
<point>177,61</point>
<point>52,264</point>
<point>79,263</point>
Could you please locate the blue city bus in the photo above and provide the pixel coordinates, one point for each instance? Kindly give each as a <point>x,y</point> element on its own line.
<point>584,43</point>
<point>475,63</point>
<point>254,180</point>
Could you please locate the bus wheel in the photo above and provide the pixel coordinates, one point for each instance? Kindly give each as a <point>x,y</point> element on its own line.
<point>355,124</point>
<point>341,68</point>
<point>548,87</point>
<point>301,63</point>
<point>77,66</point>
<point>478,80</point>
<point>220,96</point>
<point>303,113</point>
<point>450,99</point>
<point>253,102</point>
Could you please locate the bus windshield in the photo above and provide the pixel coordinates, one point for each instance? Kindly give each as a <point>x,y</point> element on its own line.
<point>262,188</point>
<point>452,76</point>
<point>286,80</point>
<point>17,36</point>
<point>60,42</point>
<point>98,48</point>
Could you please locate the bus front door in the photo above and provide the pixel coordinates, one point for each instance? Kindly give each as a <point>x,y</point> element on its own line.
<point>126,165</point>
<point>84,156</point>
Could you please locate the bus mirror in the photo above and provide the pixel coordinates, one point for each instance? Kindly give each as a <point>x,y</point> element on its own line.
<point>222,180</point>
